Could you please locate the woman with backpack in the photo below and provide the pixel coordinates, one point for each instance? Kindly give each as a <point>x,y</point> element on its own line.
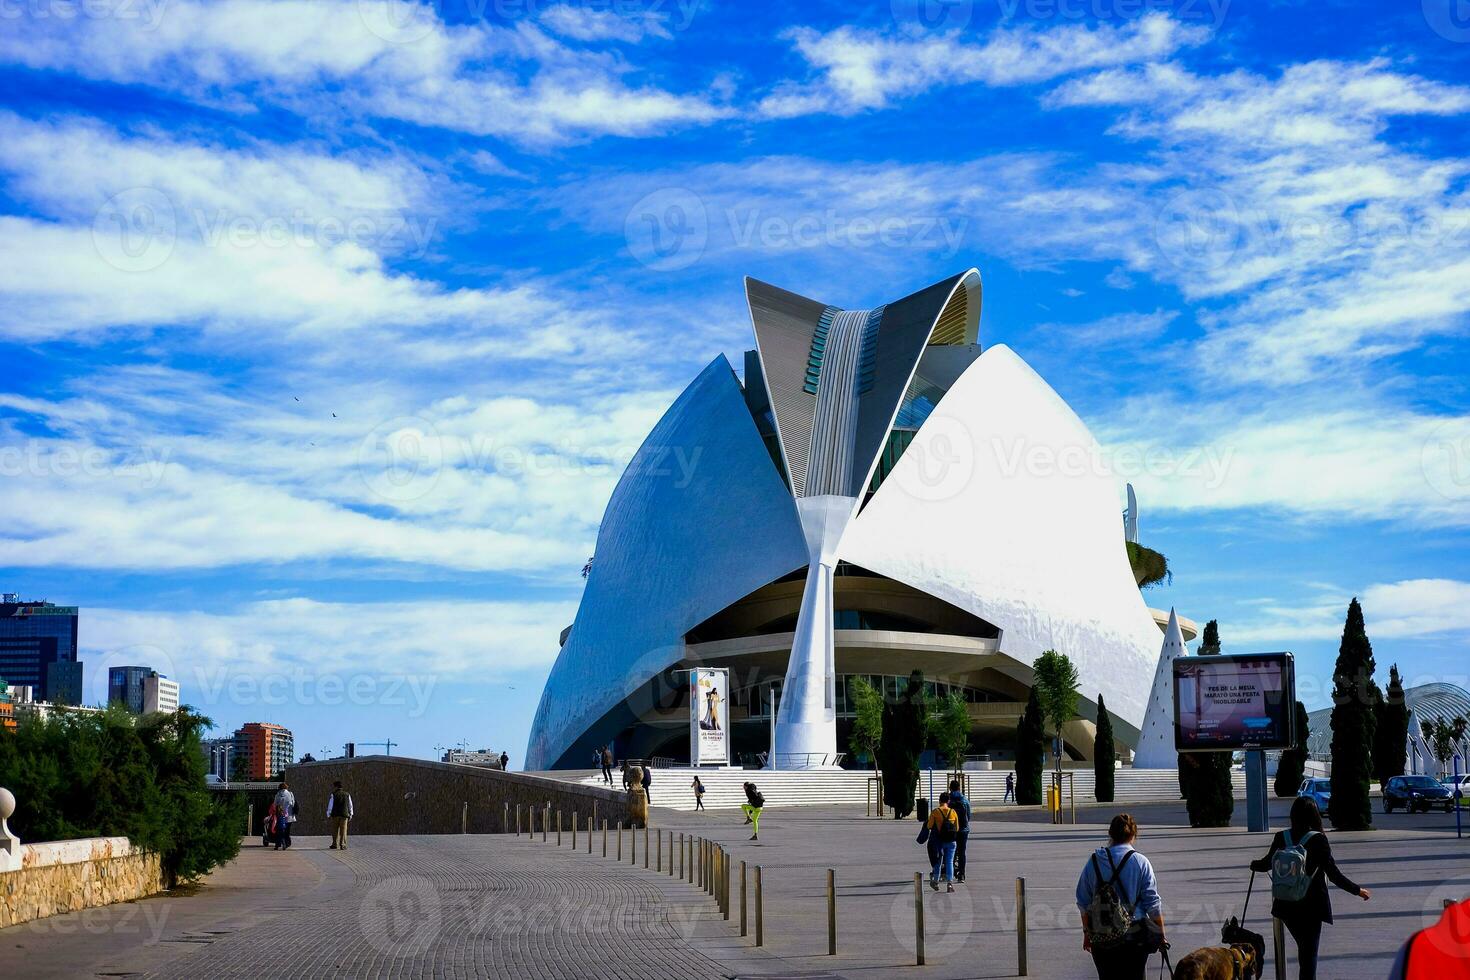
<point>1122,913</point>
<point>943,828</point>
<point>698,793</point>
<point>1299,860</point>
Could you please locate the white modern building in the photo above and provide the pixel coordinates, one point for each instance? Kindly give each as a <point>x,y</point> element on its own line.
<point>160,694</point>
<point>879,494</point>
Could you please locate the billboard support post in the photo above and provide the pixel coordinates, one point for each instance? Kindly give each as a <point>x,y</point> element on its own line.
<point>1257,807</point>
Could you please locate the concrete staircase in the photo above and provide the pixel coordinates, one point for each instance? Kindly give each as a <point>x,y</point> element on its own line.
<point>723,787</point>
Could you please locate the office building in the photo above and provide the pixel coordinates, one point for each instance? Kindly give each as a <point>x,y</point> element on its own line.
<point>261,751</point>
<point>38,648</point>
<point>142,690</point>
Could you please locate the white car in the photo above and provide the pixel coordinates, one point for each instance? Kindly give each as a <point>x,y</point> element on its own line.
<point>1463,787</point>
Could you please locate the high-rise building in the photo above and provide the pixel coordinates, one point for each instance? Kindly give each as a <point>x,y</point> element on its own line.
<point>142,690</point>
<point>262,751</point>
<point>38,648</point>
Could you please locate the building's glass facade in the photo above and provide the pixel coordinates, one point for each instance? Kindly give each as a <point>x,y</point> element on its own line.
<point>38,648</point>
<point>125,687</point>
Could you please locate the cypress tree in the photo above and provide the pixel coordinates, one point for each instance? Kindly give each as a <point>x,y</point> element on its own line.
<point>1354,697</point>
<point>1391,730</point>
<point>1204,777</point>
<point>1293,765</point>
<point>904,732</point>
<point>1030,735</point>
<point>1104,755</point>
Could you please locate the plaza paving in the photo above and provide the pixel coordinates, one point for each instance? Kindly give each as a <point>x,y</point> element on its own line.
<point>491,906</point>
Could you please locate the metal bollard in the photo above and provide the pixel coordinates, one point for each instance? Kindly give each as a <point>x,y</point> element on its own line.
<point>658,859</point>
<point>690,846</point>
<point>620,842</point>
<point>545,822</point>
<point>633,844</point>
<point>918,918</point>
<point>558,828</point>
<point>681,857</point>
<point>699,862</point>
<point>505,818</point>
<point>1021,927</point>
<point>645,845</point>
<point>464,819</point>
<point>518,820</point>
<point>760,931</point>
<point>575,818</point>
<point>831,912</point>
<point>1278,938</point>
<point>250,820</point>
<point>742,898</point>
<point>725,878</point>
<point>604,838</point>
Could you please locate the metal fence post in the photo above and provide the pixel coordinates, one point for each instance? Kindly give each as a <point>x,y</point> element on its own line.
<point>831,912</point>
<point>760,930</point>
<point>742,898</point>
<point>918,918</point>
<point>1021,927</point>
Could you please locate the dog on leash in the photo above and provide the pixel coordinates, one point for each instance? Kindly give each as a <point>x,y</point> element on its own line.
<point>1237,962</point>
<point>1234,934</point>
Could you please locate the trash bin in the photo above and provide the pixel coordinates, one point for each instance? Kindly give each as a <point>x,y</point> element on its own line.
<point>922,808</point>
<point>1054,798</point>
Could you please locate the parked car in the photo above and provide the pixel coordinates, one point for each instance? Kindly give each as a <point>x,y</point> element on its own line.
<point>1320,790</point>
<point>1464,787</point>
<point>1417,793</point>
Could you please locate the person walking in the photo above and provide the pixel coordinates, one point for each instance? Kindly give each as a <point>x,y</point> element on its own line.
<point>607,761</point>
<point>339,811</point>
<point>944,828</point>
<point>754,803</point>
<point>1299,860</point>
<point>1010,788</point>
<point>504,761</point>
<point>698,793</point>
<point>648,783</point>
<point>285,802</point>
<point>960,804</point>
<point>1118,899</point>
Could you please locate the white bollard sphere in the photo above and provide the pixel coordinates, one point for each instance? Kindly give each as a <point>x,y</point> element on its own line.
<point>7,804</point>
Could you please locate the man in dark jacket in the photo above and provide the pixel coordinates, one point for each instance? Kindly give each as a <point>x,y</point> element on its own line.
<point>648,783</point>
<point>961,806</point>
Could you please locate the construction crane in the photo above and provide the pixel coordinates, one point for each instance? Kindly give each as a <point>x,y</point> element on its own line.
<point>387,746</point>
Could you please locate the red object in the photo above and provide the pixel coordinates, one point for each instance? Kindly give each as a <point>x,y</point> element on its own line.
<point>1441,952</point>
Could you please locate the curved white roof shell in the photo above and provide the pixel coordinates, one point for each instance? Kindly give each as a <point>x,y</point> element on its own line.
<point>1000,507</point>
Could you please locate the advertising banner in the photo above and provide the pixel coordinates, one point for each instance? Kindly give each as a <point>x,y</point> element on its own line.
<point>709,742</point>
<point>1234,702</point>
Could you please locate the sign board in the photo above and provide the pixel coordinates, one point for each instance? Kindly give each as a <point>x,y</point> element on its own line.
<point>1226,703</point>
<point>709,742</point>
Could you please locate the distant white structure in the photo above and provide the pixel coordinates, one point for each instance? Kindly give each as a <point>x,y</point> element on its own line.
<point>160,694</point>
<point>1156,740</point>
<point>1130,517</point>
<point>485,758</point>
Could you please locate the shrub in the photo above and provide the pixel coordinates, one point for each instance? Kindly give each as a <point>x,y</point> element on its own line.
<point>112,774</point>
<point>1104,755</point>
<point>1293,764</point>
<point>1149,567</point>
<point>1030,734</point>
<point>1354,698</point>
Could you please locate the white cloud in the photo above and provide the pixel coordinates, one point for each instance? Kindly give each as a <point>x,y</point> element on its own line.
<point>861,70</point>
<point>380,58</point>
<point>1117,330</point>
<point>1392,610</point>
<point>589,24</point>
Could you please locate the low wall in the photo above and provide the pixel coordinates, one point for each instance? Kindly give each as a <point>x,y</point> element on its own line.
<point>413,796</point>
<point>68,876</point>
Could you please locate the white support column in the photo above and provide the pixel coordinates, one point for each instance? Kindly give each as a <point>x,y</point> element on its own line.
<point>806,723</point>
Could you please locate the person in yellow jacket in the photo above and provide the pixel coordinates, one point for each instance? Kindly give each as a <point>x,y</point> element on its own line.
<point>944,825</point>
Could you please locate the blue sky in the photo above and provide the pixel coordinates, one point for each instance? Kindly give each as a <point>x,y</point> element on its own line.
<point>326,325</point>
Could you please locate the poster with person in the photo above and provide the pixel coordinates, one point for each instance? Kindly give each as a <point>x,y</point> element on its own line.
<point>708,730</point>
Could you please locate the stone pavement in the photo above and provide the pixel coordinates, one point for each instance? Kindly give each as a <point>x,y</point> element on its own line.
<point>494,906</point>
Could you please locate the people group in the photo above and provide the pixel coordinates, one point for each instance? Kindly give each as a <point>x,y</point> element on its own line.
<point>282,813</point>
<point>1122,911</point>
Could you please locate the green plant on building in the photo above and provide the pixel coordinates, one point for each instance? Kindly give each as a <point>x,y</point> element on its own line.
<point>1355,697</point>
<point>1104,755</point>
<point>1149,567</point>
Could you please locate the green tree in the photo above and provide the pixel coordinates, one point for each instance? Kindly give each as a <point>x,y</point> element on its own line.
<point>108,774</point>
<point>1055,682</point>
<point>1030,752</point>
<point>1293,764</point>
<point>1440,737</point>
<point>1354,698</point>
<point>904,733</point>
<point>949,728</point>
<point>1104,755</point>
<point>1390,730</point>
<point>867,723</point>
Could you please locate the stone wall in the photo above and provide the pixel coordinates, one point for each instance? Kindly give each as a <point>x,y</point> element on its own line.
<point>413,796</point>
<point>68,876</point>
